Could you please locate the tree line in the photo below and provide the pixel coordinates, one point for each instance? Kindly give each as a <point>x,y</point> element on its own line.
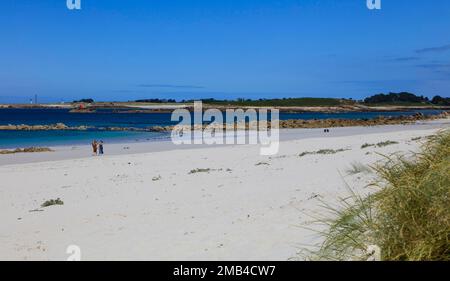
<point>405,97</point>
<point>391,98</point>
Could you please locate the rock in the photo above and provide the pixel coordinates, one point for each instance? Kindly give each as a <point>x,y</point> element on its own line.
<point>79,110</point>
<point>61,126</point>
<point>284,124</point>
<point>58,126</point>
<point>315,123</point>
<point>26,150</point>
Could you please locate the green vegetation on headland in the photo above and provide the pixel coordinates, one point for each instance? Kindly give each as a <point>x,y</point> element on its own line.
<point>281,102</point>
<point>405,98</point>
<point>402,98</point>
<point>386,102</point>
<point>84,101</point>
<point>408,219</point>
<point>156,101</point>
<point>399,99</point>
<point>438,100</point>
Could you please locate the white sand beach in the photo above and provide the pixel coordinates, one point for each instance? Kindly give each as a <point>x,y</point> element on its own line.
<point>143,202</point>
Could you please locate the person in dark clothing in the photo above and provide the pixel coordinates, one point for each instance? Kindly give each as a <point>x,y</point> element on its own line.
<point>100,148</point>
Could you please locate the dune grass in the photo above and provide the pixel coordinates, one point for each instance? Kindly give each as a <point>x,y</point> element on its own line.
<point>157,178</point>
<point>386,143</point>
<point>322,151</point>
<point>366,145</point>
<point>358,168</point>
<point>408,219</point>
<point>52,202</point>
<point>199,170</point>
<point>380,144</point>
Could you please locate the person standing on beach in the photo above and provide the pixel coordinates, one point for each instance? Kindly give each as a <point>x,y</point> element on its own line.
<point>100,148</point>
<point>94,147</point>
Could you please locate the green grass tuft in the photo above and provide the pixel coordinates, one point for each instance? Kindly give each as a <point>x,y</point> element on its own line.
<point>380,144</point>
<point>366,145</point>
<point>157,178</point>
<point>322,151</point>
<point>409,218</point>
<point>195,171</point>
<point>358,168</point>
<point>386,143</point>
<point>52,202</point>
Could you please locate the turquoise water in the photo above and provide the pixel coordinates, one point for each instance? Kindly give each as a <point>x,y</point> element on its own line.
<point>14,139</point>
<point>108,118</point>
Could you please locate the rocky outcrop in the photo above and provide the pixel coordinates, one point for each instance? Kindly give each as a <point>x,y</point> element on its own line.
<point>316,123</point>
<point>53,127</point>
<point>26,150</point>
<point>284,124</point>
<point>143,111</point>
<point>122,129</point>
<point>79,110</point>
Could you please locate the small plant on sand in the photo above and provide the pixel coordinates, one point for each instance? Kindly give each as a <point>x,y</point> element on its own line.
<point>157,178</point>
<point>366,145</point>
<point>52,202</point>
<point>408,218</point>
<point>305,153</point>
<point>386,143</point>
<point>195,171</point>
<point>262,164</point>
<point>358,168</point>
<point>380,144</point>
<point>322,151</point>
<point>330,151</point>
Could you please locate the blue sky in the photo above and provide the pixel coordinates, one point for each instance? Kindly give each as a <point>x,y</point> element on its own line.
<point>125,50</point>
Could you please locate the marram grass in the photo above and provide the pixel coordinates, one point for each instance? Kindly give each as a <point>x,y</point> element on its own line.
<point>409,218</point>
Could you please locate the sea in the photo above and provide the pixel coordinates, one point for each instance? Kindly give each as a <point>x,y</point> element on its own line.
<point>110,118</point>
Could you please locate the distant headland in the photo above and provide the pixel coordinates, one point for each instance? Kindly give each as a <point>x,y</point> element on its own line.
<point>379,102</point>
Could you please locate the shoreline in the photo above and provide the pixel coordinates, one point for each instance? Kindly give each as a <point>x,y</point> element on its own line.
<point>283,123</point>
<point>77,151</point>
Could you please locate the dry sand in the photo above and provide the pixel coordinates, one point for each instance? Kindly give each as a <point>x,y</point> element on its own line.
<point>148,206</point>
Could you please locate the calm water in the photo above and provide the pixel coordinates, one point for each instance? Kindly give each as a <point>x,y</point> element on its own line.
<point>107,118</point>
